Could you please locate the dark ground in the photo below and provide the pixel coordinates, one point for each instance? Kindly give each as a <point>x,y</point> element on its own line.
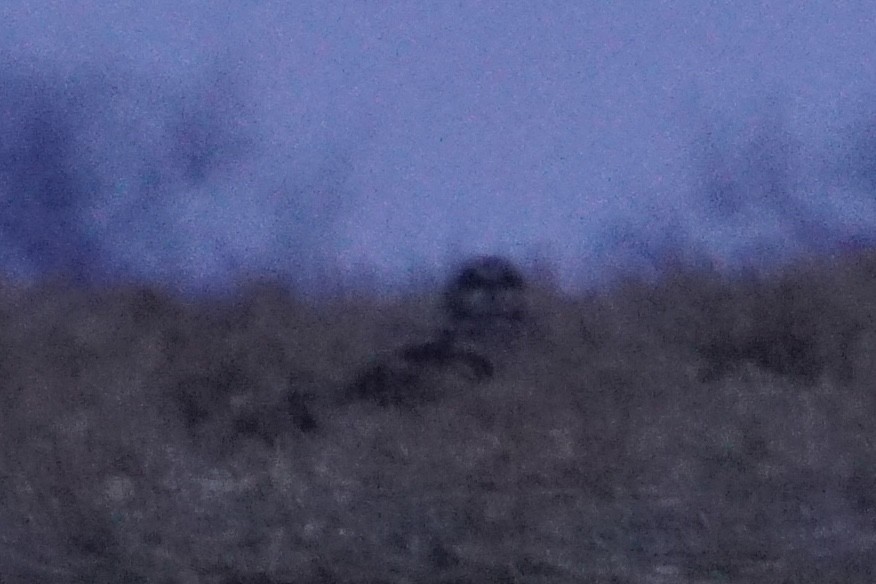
<point>697,430</point>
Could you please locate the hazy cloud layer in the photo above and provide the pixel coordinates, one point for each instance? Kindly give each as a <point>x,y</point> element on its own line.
<point>187,141</point>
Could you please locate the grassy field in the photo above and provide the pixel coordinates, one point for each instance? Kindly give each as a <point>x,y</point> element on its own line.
<point>694,430</point>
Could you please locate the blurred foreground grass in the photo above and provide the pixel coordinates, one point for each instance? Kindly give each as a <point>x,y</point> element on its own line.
<point>700,429</point>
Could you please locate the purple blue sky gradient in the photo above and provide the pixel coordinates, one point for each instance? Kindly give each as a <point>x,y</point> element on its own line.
<point>182,140</point>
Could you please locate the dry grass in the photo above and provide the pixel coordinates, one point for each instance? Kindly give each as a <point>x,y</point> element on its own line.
<point>697,430</point>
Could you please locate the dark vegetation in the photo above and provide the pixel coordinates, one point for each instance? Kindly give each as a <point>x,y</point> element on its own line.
<point>404,378</point>
<point>486,294</point>
<point>701,429</point>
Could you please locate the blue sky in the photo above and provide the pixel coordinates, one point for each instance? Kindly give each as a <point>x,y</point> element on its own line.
<point>319,140</point>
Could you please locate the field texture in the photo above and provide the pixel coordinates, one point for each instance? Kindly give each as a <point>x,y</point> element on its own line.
<point>701,429</point>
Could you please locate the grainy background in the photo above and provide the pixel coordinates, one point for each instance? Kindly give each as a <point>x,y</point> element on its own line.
<point>186,141</point>
<point>694,430</point>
